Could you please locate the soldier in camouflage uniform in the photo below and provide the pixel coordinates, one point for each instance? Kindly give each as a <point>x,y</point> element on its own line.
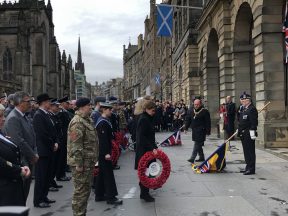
<point>121,114</point>
<point>83,148</point>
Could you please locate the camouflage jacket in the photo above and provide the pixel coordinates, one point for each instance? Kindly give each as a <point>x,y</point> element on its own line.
<point>82,142</point>
<point>122,120</point>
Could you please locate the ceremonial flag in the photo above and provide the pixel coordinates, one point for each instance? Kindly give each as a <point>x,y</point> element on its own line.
<point>215,162</point>
<point>173,140</point>
<point>285,30</point>
<point>164,20</point>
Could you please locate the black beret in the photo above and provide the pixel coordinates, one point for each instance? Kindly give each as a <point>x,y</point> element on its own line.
<point>42,97</point>
<point>100,99</point>
<point>64,99</point>
<point>82,102</point>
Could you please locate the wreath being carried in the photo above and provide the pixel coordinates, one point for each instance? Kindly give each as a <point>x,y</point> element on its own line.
<point>150,173</point>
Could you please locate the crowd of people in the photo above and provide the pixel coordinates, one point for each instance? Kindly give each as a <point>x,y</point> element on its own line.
<point>45,138</point>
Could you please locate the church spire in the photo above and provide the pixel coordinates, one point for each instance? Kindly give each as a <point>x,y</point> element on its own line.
<point>79,64</point>
<point>79,57</point>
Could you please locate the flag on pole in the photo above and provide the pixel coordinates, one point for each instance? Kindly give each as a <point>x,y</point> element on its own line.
<point>173,140</point>
<point>216,162</point>
<point>164,20</point>
<point>285,30</point>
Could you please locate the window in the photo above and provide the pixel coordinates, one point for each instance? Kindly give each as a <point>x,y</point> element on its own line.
<point>7,65</point>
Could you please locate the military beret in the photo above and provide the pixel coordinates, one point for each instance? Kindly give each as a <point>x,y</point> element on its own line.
<point>100,99</point>
<point>64,99</point>
<point>81,102</point>
<point>105,105</point>
<point>245,96</point>
<point>43,97</point>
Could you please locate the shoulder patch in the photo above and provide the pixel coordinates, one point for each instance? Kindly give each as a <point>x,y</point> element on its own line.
<point>73,136</point>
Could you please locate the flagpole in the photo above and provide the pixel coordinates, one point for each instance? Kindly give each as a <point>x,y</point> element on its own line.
<point>181,6</point>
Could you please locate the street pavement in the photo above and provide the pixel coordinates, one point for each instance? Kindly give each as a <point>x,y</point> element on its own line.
<point>188,194</point>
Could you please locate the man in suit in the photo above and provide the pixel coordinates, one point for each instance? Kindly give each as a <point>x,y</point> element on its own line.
<point>46,145</point>
<point>19,128</point>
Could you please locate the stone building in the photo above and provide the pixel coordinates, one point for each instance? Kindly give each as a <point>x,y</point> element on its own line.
<point>149,59</point>
<point>185,73</point>
<point>133,72</point>
<point>239,47</point>
<point>224,49</point>
<point>30,58</point>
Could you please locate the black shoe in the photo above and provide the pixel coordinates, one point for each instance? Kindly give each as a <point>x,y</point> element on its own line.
<point>116,167</point>
<point>53,189</point>
<point>248,172</point>
<point>115,201</point>
<point>200,160</point>
<point>49,201</point>
<point>58,186</point>
<point>42,205</point>
<point>65,178</point>
<point>190,160</point>
<point>147,198</point>
<point>243,171</point>
<point>99,199</point>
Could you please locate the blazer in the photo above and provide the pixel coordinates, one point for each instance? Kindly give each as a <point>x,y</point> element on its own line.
<point>22,134</point>
<point>45,133</point>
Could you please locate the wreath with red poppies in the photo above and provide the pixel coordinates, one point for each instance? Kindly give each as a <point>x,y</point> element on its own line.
<point>114,156</point>
<point>157,181</point>
<point>115,152</point>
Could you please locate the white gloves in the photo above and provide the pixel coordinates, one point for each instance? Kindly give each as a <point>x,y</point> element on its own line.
<point>253,134</point>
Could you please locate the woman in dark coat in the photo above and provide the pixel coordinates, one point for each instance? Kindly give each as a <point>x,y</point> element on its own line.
<point>11,172</point>
<point>145,141</point>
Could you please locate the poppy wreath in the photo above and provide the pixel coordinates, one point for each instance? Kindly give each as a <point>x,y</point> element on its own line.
<point>146,159</point>
<point>115,152</point>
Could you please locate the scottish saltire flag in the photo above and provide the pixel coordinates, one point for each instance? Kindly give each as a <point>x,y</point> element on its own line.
<point>285,30</point>
<point>164,20</point>
<point>215,162</point>
<point>173,140</point>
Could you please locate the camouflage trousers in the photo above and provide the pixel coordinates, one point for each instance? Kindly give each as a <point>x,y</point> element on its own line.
<point>82,186</point>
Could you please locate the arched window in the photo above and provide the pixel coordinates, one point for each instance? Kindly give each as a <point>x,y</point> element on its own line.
<point>7,65</point>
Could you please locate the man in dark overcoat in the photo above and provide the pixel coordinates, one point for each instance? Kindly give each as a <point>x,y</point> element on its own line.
<point>46,145</point>
<point>199,119</point>
<point>230,114</point>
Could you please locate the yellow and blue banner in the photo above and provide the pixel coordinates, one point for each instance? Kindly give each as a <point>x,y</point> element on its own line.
<point>216,162</point>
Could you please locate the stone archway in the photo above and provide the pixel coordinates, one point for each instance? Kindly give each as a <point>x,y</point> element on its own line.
<point>211,77</point>
<point>243,53</point>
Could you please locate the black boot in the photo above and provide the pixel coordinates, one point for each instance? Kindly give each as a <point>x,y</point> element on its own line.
<point>147,197</point>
